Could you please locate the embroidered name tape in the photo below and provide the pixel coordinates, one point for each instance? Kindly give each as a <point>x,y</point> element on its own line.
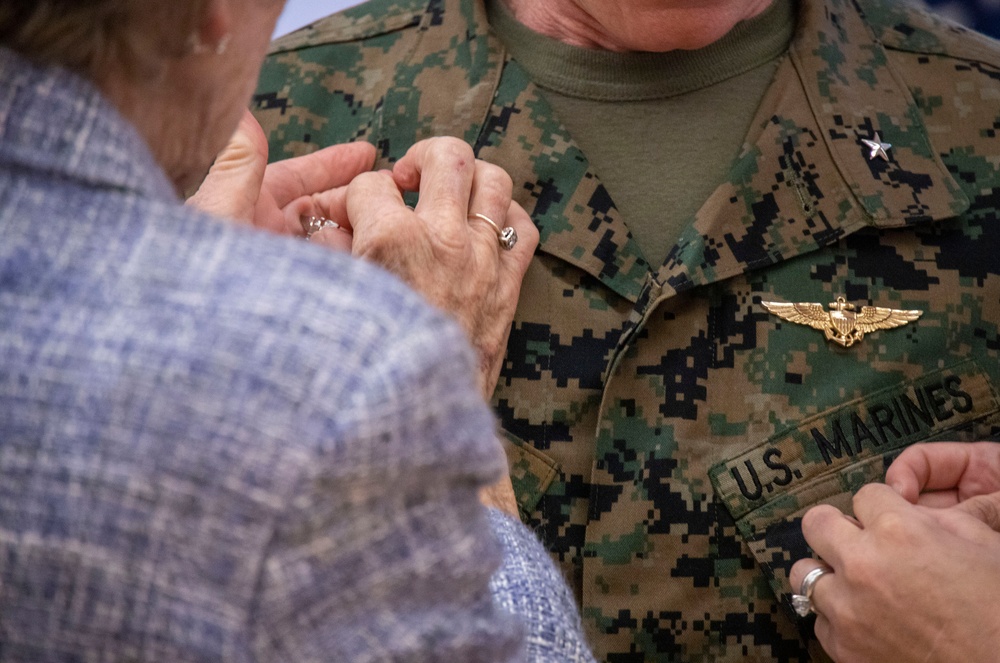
<point>872,425</point>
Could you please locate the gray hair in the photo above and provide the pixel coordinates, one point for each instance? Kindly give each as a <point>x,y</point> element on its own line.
<point>91,35</point>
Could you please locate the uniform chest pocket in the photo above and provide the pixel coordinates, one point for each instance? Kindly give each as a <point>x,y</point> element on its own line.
<point>828,457</point>
<point>531,472</point>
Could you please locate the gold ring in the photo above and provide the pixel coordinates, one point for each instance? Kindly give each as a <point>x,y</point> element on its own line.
<point>506,236</point>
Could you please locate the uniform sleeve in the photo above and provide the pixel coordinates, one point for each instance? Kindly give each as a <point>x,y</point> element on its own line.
<point>530,586</point>
<point>384,552</point>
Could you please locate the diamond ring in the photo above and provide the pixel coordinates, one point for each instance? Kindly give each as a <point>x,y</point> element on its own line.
<point>802,602</point>
<point>313,224</point>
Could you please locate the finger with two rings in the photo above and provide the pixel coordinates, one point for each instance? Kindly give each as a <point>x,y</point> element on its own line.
<point>802,602</point>
<point>825,528</point>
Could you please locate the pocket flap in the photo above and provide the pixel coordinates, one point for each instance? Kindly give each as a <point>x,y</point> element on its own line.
<point>531,472</point>
<point>886,420</point>
<point>828,457</point>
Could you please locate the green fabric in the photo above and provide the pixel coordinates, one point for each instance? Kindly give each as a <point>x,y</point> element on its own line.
<point>660,129</point>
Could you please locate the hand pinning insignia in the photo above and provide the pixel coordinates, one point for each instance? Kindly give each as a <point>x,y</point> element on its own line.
<point>877,147</point>
<point>842,324</point>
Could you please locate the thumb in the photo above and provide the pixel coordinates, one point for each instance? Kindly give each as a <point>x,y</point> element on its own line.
<point>985,508</point>
<point>233,184</point>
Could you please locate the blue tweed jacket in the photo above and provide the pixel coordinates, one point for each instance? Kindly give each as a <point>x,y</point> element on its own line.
<point>219,445</point>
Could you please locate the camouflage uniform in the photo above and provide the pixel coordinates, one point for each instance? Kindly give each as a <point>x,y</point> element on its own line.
<point>667,432</point>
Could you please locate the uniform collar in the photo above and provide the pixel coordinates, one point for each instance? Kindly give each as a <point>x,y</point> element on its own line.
<point>805,179</point>
<point>854,91</point>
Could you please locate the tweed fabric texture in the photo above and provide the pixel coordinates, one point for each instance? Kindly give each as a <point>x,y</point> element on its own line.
<point>543,600</point>
<point>216,444</point>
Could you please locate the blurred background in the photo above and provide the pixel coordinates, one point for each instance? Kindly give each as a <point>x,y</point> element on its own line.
<point>303,12</point>
<point>982,15</point>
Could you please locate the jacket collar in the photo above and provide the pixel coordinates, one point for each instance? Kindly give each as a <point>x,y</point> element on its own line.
<point>853,92</point>
<point>804,178</point>
<point>56,122</point>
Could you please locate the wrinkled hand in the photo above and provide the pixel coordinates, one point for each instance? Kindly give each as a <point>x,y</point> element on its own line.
<point>453,260</point>
<point>241,186</point>
<point>910,583</point>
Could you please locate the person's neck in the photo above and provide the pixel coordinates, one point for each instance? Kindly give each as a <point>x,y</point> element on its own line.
<point>173,113</point>
<point>634,25</point>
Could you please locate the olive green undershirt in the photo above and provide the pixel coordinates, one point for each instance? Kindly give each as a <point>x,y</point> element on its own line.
<point>659,129</point>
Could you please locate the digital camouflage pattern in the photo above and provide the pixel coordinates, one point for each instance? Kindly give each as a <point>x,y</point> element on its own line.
<point>667,432</point>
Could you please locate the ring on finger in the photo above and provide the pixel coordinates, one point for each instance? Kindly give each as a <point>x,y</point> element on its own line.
<point>802,602</point>
<point>506,236</point>
<point>313,224</point>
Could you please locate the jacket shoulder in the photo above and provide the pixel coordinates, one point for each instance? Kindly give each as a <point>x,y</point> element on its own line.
<point>369,19</point>
<point>905,26</point>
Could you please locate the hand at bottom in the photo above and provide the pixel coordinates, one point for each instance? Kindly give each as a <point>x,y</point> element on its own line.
<point>909,583</point>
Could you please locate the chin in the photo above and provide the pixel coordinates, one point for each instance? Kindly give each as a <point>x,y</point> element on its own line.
<point>680,40</point>
<point>689,28</point>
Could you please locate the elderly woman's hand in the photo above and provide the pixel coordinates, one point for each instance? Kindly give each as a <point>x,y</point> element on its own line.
<point>241,186</point>
<point>909,583</point>
<point>441,248</point>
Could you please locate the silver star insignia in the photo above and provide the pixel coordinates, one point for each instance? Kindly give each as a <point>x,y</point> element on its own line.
<point>877,147</point>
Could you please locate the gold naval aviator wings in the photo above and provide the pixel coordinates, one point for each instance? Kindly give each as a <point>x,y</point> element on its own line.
<point>842,324</point>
